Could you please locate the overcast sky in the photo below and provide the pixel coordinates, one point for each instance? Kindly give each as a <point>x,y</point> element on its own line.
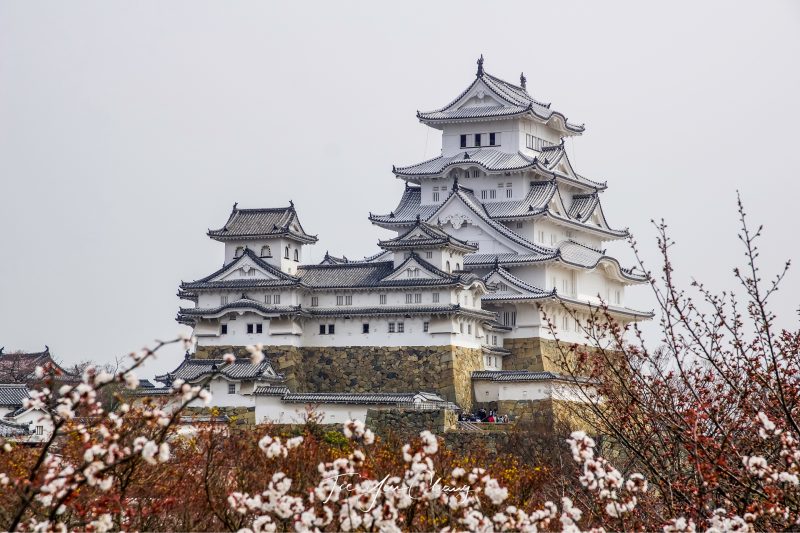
<point>127,129</point>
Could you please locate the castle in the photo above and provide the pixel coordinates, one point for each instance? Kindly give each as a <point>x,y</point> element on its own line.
<point>494,237</point>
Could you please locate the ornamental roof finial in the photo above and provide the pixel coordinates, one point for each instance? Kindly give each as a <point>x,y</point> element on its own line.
<point>522,80</point>
<point>291,204</point>
<point>455,183</point>
<point>480,66</point>
<point>234,205</point>
<point>418,220</point>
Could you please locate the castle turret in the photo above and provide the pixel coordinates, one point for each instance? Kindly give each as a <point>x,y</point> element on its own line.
<point>273,234</point>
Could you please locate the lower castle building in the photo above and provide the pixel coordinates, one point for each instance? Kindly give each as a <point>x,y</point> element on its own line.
<point>497,248</point>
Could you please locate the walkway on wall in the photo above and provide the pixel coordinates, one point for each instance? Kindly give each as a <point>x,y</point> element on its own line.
<point>468,426</point>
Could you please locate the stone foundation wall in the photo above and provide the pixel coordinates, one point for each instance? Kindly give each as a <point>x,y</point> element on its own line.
<point>443,369</point>
<point>538,355</point>
<point>408,423</point>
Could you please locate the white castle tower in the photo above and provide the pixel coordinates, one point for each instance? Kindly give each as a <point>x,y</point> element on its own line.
<point>492,235</point>
<point>504,181</point>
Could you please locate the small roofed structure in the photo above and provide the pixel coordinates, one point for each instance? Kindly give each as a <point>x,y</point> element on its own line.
<point>247,224</point>
<point>279,406</point>
<point>20,367</point>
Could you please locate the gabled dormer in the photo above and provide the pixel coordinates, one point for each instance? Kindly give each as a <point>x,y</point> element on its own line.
<point>432,243</point>
<point>274,234</point>
<point>494,113</point>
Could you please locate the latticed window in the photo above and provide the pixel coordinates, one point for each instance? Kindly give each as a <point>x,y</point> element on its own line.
<point>265,251</point>
<point>314,301</point>
<point>382,299</point>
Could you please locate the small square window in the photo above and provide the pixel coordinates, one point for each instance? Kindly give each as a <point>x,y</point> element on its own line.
<point>39,430</point>
<point>364,328</point>
<point>469,329</point>
<point>401,327</point>
<point>223,299</point>
<point>428,255</point>
<point>425,326</point>
<point>268,299</point>
<point>435,297</point>
<point>223,329</point>
<point>314,301</point>
<point>348,300</point>
<point>322,329</point>
<point>331,329</point>
<point>382,299</point>
<point>276,299</point>
<point>250,328</point>
<point>409,298</point>
<point>340,300</point>
<point>391,327</point>
<point>259,328</point>
<point>231,388</point>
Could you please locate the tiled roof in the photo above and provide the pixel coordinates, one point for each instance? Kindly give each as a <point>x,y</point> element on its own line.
<point>513,375</point>
<point>242,303</point>
<point>191,370</point>
<point>387,398</point>
<point>151,391</point>
<point>408,209</point>
<point>539,195</point>
<point>372,275</point>
<point>282,278</point>
<point>577,254</point>
<point>9,429</point>
<point>388,310</point>
<point>507,259</point>
<point>583,205</point>
<point>525,291</point>
<point>271,390</point>
<point>12,395</point>
<point>423,235</point>
<point>254,223</point>
<point>20,367</point>
<point>490,159</point>
<point>495,350</point>
<point>514,100</point>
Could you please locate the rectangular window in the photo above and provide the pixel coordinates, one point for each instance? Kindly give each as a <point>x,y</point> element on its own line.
<point>461,327</point>
<point>267,298</point>
<point>39,430</point>
<point>513,318</point>
<point>250,328</point>
<point>476,173</point>
<point>469,329</point>
<point>494,340</point>
<point>477,140</point>
<point>617,297</point>
<point>492,139</point>
<point>340,300</point>
<point>484,194</point>
<point>519,225</point>
<point>492,194</point>
<point>348,300</point>
<point>425,326</point>
<point>322,329</point>
<point>231,388</point>
<point>435,297</point>
<point>428,255</point>
<point>276,299</point>
<point>565,286</point>
<point>409,298</point>
<point>463,141</point>
<point>223,300</point>
<point>331,329</point>
<point>436,197</point>
<point>382,299</point>
<point>541,236</point>
<point>401,327</point>
<point>223,329</point>
<point>418,298</point>
<point>259,328</point>
<point>509,193</point>
<point>391,327</point>
<point>565,323</point>
<point>315,301</point>
<point>364,328</point>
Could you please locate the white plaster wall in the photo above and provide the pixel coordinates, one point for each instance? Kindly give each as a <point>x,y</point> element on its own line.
<point>4,411</point>
<point>277,249</point>
<point>34,418</point>
<point>270,409</point>
<point>451,136</point>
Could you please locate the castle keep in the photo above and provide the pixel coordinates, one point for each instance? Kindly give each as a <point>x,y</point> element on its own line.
<point>493,235</point>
